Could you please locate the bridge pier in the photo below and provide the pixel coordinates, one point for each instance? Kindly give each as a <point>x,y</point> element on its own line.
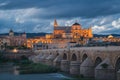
<point>105,71</point>
<point>87,68</point>
<point>118,75</point>
<point>75,67</point>
<point>57,61</point>
<point>49,60</point>
<point>43,59</point>
<point>65,65</point>
<point>38,57</point>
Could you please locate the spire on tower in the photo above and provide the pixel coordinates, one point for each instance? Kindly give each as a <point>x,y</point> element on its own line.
<point>55,23</point>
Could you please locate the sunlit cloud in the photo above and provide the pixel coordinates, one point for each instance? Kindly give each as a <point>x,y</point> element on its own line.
<point>116,23</point>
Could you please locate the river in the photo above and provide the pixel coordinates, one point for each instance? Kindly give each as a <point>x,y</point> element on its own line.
<point>52,76</point>
<point>7,74</point>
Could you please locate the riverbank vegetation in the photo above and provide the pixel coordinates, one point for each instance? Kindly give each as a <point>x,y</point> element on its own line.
<point>28,67</point>
<point>34,68</point>
<point>3,59</point>
<point>25,66</point>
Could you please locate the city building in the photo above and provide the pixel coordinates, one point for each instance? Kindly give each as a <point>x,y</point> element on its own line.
<point>63,36</point>
<point>13,40</point>
<point>17,40</point>
<point>70,36</point>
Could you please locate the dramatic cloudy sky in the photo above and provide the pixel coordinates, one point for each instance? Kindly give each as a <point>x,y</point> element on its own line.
<point>38,15</point>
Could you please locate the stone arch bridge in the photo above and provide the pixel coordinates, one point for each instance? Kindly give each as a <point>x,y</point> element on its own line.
<point>102,63</point>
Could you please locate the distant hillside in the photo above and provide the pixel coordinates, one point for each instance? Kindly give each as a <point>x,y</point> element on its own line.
<point>102,35</point>
<point>30,35</point>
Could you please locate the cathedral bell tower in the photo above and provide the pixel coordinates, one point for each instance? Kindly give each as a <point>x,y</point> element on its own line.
<point>55,23</point>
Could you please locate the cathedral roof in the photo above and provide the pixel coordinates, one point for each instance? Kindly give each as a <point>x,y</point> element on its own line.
<point>76,24</point>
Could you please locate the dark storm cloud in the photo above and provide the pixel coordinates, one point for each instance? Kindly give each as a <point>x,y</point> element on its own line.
<point>66,8</point>
<point>38,15</point>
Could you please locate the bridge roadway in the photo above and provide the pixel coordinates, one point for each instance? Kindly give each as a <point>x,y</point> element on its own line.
<point>102,63</point>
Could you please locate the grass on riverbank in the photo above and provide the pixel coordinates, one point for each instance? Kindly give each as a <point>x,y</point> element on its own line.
<point>36,68</point>
<point>27,67</point>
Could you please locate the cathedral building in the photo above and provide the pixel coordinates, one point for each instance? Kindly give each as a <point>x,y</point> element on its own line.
<point>75,31</point>
<point>62,35</point>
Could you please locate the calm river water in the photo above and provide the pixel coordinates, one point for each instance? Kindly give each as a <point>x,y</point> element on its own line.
<point>7,74</point>
<point>53,76</point>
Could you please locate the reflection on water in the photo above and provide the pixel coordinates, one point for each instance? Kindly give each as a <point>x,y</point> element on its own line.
<point>6,74</point>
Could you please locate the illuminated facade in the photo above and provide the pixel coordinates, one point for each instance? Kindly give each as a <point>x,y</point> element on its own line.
<point>62,35</point>
<point>19,40</point>
<point>110,38</point>
<point>13,40</point>
<point>75,31</point>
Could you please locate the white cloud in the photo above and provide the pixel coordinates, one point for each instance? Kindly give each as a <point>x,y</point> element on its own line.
<point>18,20</point>
<point>37,28</point>
<point>43,27</point>
<point>116,23</point>
<point>103,21</point>
<point>98,29</point>
<point>3,4</point>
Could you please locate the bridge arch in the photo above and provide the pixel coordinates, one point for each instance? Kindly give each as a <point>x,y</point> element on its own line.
<point>117,64</point>
<point>74,57</point>
<point>98,60</point>
<point>57,54</point>
<point>50,53</point>
<point>84,57</point>
<point>64,56</point>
